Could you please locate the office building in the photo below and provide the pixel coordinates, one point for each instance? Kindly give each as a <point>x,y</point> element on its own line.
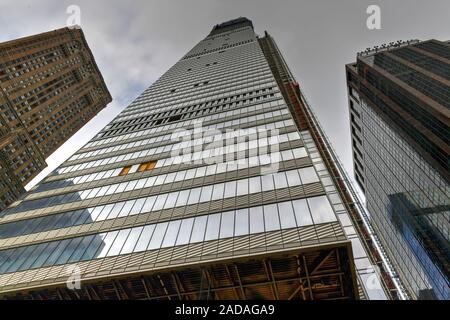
<point>50,87</point>
<point>399,100</point>
<point>215,183</point>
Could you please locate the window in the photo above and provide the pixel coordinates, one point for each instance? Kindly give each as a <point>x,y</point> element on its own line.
<point>321,210</point>
<point>119,242</point>
<point>171,234</point>
<point>287,217</point>
<point>267,182</point>
<point>241,225</point>
<point>184,233</point>
<point>308,175</point>
<point>302,214</point>
<point>131,241</point>
<point>158,235</point>
<point>144,238</point>
<point>198,231</point>
<point>272,222</point>
<point>125,171</point>
<point>256,220</point>
<point>150,165</point>
<point>212,229</point>
<point>227,225</point>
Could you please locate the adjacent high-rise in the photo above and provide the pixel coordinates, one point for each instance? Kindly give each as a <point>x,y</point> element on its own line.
<point>399,98</point>
<point>50,87</point>
<point>215,183</point>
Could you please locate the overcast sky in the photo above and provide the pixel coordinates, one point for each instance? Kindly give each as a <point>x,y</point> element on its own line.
<point>135,42</point>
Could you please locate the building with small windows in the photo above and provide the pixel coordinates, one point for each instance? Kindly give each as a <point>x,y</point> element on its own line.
<point>49,88</point>
<point>399,100</point>
<point>217,182</point>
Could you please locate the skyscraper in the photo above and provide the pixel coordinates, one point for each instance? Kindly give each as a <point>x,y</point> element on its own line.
<point>49,88</point>
<point>215,183</point>
<point>399,98</point>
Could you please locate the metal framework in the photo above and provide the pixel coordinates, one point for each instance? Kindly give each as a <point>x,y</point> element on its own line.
<point>311,275</point>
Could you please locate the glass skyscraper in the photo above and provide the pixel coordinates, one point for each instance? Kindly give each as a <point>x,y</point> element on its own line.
<point>215,183</point>
<point>399,98</point>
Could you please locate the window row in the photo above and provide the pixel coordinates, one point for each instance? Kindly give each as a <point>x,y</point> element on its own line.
<point>272,217</point>
<point>226,98</point>
<point>170,200</point>
<point>156,130</point>
<point>243,81</point>
<point>55,184</point>
<point>154,151</point>
<point>157,93</point>
<point>170,136</point>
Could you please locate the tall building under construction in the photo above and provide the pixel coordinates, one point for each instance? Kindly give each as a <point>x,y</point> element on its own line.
<point>50,87</point>
<point>217,182</point>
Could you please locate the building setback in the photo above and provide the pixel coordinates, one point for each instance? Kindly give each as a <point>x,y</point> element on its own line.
<point>215,183</point>
<point>50,87</point>
<point>399,99</point>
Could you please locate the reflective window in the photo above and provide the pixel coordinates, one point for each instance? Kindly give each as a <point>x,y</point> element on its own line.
<point>242,187</point>
<point>227,225</point>
<point>206,193</point>
<point>158,235</point>
<point>132,240</point>
<point>308,175</point>
<point>116,210</point>
<point>137,208</point>
<point>160,201</point>
<point>302,214</point>
<point>230,189</point>
<point>293,178</point>
<point>171,234</point>
<point>118,242</point>
<point>218,192</point>
<point>271,219</point>
<point>182,198</point>
<point>287,215</point>
<point>107,243</point>
<point>212,228</point>
<point>194,196</point>
<point>185,231</point>
<point>144,239</point>
<point>127,208</point>
<point>148,205</point>
<point>256,220</point>
<point>241,225</point>
<point>267,182</point>
<point>255,184</point>
<point>321,210</point>
<point>198,232</point>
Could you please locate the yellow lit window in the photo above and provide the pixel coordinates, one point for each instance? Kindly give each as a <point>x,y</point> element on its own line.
<point>125,171</point>
<point>147,166</point>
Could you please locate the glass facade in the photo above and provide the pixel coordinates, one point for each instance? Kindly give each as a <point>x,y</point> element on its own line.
<point>205,164</point>
<point>401,152</point>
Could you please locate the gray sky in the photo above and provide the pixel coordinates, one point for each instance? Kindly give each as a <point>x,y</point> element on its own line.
<point>135,42</point>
